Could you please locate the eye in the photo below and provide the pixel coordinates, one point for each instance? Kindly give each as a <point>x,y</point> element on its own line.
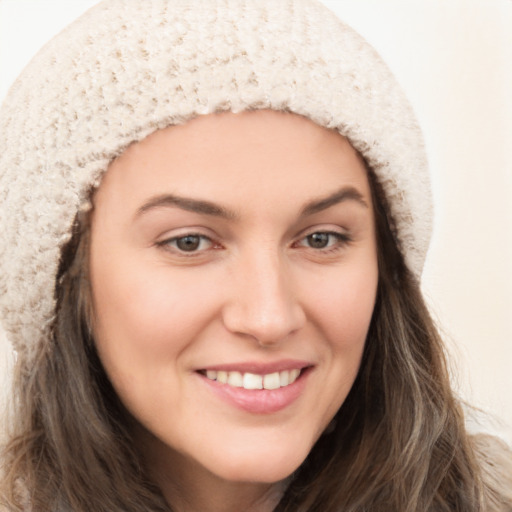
<point>190,243</point>
<point>324,240</point>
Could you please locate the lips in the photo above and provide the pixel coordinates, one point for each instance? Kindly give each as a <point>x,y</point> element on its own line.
<point>258,388</point>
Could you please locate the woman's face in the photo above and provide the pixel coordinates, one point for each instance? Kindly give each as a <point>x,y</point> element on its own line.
<point>232,253</point>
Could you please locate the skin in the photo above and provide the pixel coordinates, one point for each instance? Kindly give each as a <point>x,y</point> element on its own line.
<point>256,287</point>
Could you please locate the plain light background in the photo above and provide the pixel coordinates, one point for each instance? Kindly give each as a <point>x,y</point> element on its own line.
<point>453,58</point>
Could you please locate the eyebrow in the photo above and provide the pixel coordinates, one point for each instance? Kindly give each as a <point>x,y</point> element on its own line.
<point>344,194</point>
<point>209,208</point>
<point>185,203</point>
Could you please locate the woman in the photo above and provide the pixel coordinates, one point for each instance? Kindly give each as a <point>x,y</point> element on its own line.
<point>231,202</point>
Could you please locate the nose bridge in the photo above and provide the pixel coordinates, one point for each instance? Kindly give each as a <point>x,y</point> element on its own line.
<point>264,303</point>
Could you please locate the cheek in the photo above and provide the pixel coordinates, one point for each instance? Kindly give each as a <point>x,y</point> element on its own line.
<point>143,303</point>
<point>341,311</point>
<point>344,308</point>
<point>144,319</point>
<point>143,323</point>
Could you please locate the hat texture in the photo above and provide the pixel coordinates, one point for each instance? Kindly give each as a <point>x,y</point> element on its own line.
<point>127,68</point>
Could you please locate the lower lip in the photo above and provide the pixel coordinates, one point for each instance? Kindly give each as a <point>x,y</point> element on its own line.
<point>259,401</point>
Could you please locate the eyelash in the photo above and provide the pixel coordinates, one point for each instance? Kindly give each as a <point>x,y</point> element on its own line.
<point>171,244</point>
<point>340,241</point>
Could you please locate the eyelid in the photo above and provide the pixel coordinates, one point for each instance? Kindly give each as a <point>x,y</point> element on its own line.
<point>324,228</point>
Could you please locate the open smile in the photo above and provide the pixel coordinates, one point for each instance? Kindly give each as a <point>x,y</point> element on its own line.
<point>258,391</point>
<point>249,380</point>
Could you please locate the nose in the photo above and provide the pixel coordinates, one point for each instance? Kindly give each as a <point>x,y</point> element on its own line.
<point>263,301</point>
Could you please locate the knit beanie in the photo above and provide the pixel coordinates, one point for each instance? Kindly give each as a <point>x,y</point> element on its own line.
<point>129,67</point>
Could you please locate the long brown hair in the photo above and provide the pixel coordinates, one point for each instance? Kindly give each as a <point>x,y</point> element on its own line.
<point>398,442</point>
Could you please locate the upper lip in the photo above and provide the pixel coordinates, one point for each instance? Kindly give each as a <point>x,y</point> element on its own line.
<point>260,368</point>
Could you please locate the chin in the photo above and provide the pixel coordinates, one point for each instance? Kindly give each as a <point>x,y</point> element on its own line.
<point>269,466</point>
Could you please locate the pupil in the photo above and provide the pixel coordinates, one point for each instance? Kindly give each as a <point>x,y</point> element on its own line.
<point>318,240</point>
<point>188,243</point>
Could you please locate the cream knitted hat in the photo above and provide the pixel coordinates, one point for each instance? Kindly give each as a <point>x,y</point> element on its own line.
<point>129,67</point>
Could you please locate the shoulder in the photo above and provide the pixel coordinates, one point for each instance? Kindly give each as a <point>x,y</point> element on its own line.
<point>495,458</point>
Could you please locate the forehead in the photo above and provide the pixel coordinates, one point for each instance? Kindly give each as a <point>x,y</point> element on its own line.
<point>254,157</point>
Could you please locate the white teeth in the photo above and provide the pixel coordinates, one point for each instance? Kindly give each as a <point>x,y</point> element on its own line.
<point>271,381</point>
<point>252,381</point>
<point>235,379</point>
<point>294,374</point>
<point>247,380</point>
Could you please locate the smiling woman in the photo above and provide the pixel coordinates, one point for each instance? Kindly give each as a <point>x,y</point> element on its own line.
<point>235,250</point>
<point>211,320</point>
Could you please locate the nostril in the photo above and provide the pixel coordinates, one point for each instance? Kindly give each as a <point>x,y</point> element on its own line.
<point>266,326</point>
